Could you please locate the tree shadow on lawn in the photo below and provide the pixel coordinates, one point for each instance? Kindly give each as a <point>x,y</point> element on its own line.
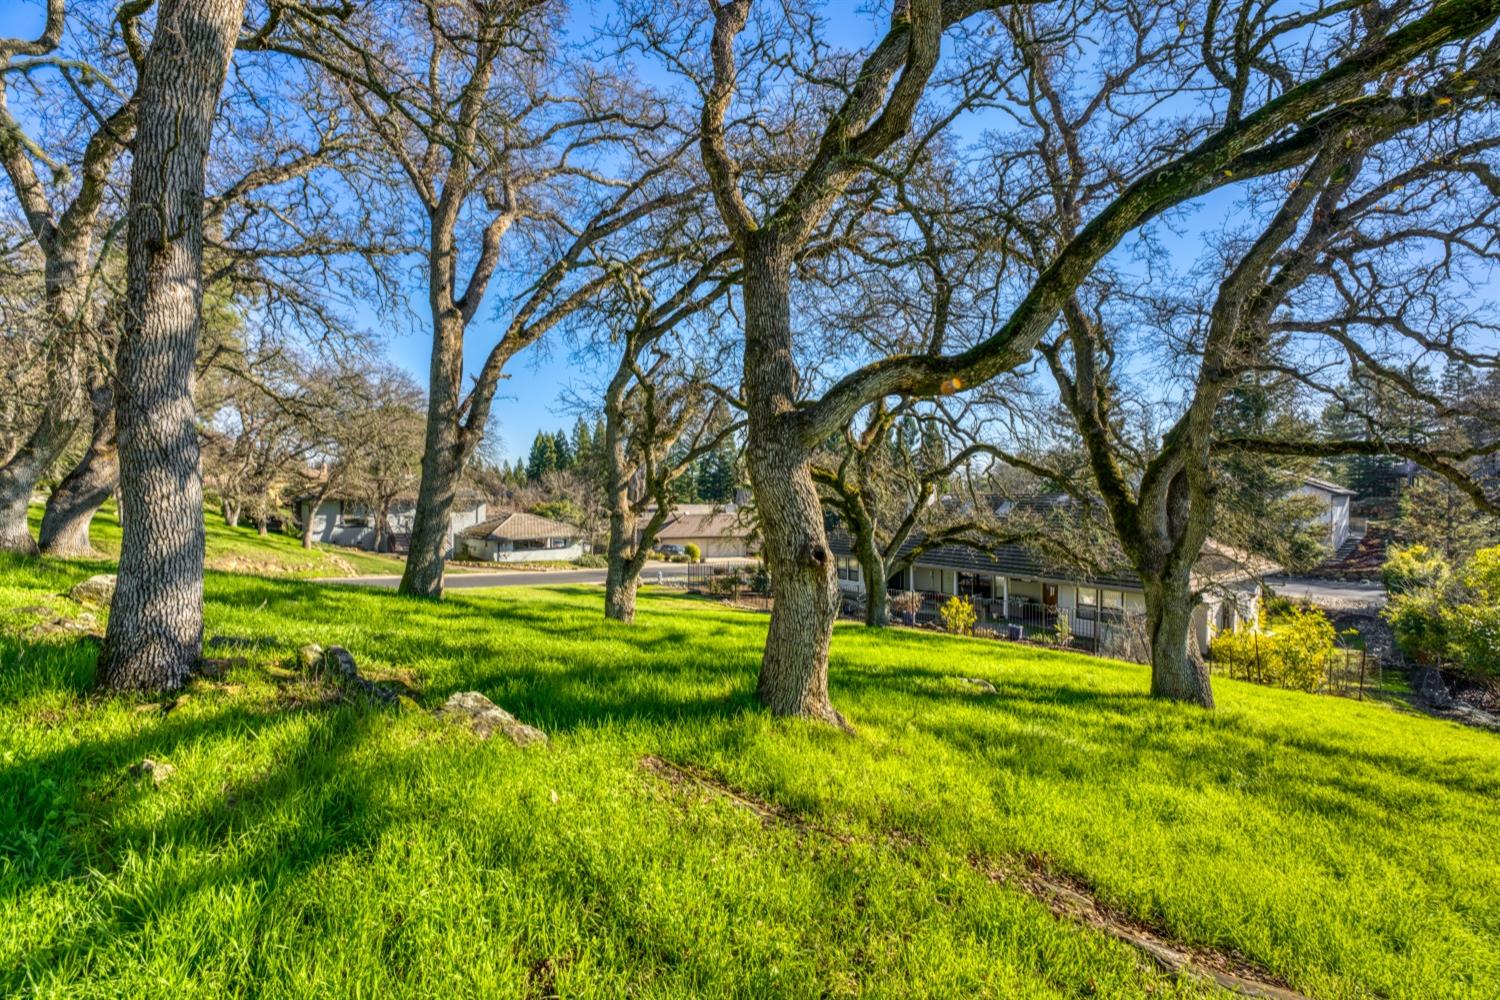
<point>1049,728</point>
<point>342,817</point>
<point>545,661</point>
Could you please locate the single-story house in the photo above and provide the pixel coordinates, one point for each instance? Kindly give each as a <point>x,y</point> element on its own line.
<point>1333,508</point>
<point>1009,584</point>
<point>346,521</point>
<point>719,531</point>
<point>514,536</point>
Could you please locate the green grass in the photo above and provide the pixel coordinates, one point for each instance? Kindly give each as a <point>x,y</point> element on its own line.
<point>242,550</point>
<point>317,849</point>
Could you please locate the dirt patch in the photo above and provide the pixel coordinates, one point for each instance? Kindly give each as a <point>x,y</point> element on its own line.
<point>1071,899</point>
<point>770,814</point>
<point>1067,897</point>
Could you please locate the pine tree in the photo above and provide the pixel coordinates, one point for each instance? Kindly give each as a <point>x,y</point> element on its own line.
<point>563,451</point>
<point>583,444</point>
<point>543,458</point>
<point>714,474</point>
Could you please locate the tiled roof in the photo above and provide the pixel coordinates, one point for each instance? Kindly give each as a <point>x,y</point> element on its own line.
<point>723,524</point>
<point>515,525</point>
<point>1218,565</point>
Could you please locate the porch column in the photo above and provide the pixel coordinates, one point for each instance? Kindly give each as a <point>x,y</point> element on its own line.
<point>1005,597</point>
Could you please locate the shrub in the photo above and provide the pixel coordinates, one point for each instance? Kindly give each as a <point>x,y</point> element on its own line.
<point>958,615</point>
<point>906,604</point>
<point>694,554</point>
<point>725,584</point>
<point>1419,620</point>
<point>1062,632</point>
<point>1413,568</point>
<point>1472,615</point>
<point>591,560</point>
<point>1441,617</point>
<point>760,580</point>
<point>1291,651</point>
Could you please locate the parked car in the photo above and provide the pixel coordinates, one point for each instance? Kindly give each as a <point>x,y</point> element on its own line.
<point>671,550</point>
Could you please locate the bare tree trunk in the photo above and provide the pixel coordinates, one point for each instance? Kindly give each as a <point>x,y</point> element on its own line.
<point>1177,672</point>
<point>619,581</point>
<point>260,526</point>
<point>872,568</point>
<point>619,591</point>
<point>313,506</point>
<point>155,634</point>
<point>383,526</point>
<point>71,508</point>
<point>622,576</point>
<point>231,509</point>
<point>442,463</point>
<point>19,477</point>
<point>794,667</point>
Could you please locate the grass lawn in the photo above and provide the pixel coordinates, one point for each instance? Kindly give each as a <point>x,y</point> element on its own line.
<point>242,550</point>
<point>327,848</point>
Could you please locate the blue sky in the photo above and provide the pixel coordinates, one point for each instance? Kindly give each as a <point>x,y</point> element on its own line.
<point>532,397</point>
<point>529,400</point>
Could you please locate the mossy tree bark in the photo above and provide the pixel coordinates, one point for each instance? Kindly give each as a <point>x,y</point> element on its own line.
<point>155,634</point>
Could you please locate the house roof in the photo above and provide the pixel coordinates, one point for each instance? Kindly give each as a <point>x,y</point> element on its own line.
<point>1218,565</point>
<point>720,524</point>
<point>1327,487</point>
<point>514,525</point>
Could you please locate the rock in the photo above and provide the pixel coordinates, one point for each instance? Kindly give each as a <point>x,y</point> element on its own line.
<point>340,662</point>
<point>97,589</point>
<point>1429,686</point>
<point>979,682</point>
<point>217,666</point>
<point>157,771</point>
<point>84,625</point>
<point>484,717</point>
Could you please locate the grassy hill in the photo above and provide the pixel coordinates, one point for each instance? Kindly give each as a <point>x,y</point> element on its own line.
<point>309,844</point>
<point>242,550</point>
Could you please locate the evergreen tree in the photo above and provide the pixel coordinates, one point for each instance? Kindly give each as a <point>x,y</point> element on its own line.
<point>714,477</point>
<point>583,444</point>
<point>563,452</point>
<point>543,458</point>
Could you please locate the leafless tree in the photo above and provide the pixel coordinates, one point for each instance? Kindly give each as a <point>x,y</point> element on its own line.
<point>501,142</point>
<point>62,184</point>
<point>662,414</point>
<point>1302,296</point>
<point>851,111</point>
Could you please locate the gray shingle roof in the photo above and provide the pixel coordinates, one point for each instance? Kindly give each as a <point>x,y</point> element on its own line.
<point>515,525</point>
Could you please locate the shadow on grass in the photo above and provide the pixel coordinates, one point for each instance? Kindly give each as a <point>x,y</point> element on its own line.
<point>75,811</point>
<point>1073,731</point>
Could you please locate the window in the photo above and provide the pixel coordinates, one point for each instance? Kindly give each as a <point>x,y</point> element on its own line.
<point>847,568</point>
<point>353,515</point>
<point>979,585</point>
<point>529,544</point>
<point>557,543</point>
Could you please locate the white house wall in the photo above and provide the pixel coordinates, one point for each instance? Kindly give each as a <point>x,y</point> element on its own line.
<point>327,529</point>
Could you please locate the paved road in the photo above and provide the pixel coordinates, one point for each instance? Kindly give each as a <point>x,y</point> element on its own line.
<point>652,573</point>
<point>1335,593</point>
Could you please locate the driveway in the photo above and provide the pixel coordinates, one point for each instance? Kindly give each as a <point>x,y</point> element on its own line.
<point>654,572</point>
<point>1330,593</point>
